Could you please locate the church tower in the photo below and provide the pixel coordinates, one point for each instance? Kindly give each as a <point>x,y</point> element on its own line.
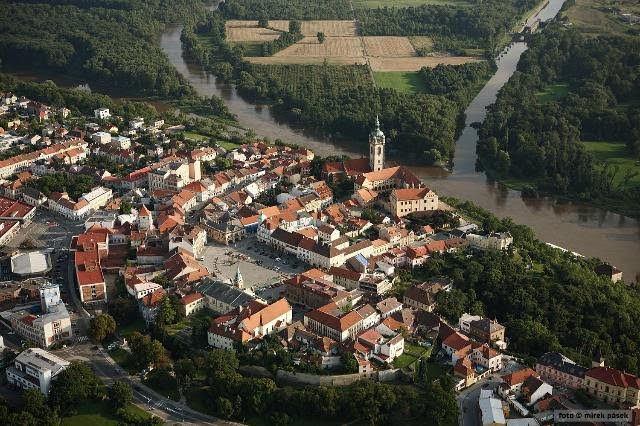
<point>238,281</point>
<point>376,148</point>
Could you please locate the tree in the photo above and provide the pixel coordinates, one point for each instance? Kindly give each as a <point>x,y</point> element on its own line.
<point>102,326</point>
<point>321,37</point>
<point>120,394</point>
<point>166,313</point>
<point>349,362</point>
<point>263,21</point>
<point>223,163</point>
<point>125,207</point>
<point>185,370</point>
<point>294,27</point>
<point>220,362</point>
<point>124,310</point>
<point>73,386</point>
<point>147,351</point>
<point>224,407</point>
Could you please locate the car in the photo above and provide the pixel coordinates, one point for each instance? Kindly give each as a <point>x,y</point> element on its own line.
<point>278,259</point>
<point>200,259</point>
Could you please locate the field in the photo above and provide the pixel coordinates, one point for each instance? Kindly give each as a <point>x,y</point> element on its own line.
<point>371,4</point>
<point>553,92</point>
<point>388,46</point>
<point>329,28</point>
<point>416,63</point>
<point>615,154</point>
<point>342,47</point>
<point>409,82</point>
<point>597,17</point>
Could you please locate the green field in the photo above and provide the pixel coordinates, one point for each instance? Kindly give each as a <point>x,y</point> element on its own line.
<point>553,92</point>
<point>372,4</point>
<point>195,136</point>
<point>127,330</point>
<point>615,154</point>
<point>123,359</point>
<point>404,360</point>
<point>251,48</point>
<point>409,82</point>
<point>100,414</point>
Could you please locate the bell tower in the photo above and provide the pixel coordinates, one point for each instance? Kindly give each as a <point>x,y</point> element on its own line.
<point>376,148</point>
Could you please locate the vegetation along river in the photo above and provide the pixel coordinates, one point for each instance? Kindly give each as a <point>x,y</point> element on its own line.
<point>586,230</point>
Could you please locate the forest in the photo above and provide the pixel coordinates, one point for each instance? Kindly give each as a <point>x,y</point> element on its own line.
<point>340,100</point>
<point>286,9</point>
<point>539,140</point>
<point>548,300</point>
<point>112,42</point>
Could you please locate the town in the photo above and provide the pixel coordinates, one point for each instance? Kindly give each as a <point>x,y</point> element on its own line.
<point>247,250</point>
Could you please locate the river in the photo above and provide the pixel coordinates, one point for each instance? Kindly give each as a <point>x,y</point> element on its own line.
<point>587,230</point>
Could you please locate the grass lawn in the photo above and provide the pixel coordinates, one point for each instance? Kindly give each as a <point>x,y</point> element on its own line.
<point>100,413</point>
<point>414,349</point>
<point>227,145</point>
<point>372,4</point>
<point>409,82</point>
<point>553,92</point>
<point>163,383</point>
<point>404,360</point>
<point>127,330</point>
<point>614,153</point>
<point>195,136</point>
<point>124,360</point>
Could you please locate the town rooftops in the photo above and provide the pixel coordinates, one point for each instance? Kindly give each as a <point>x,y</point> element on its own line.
<point>333,317</point>
<point>518,377</point>
<point>190,298</point>
<point>225,293</point>
<point>407,194</point>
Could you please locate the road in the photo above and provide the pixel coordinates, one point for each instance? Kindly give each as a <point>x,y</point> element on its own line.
<point>468,400</point>
<point>144,397</point>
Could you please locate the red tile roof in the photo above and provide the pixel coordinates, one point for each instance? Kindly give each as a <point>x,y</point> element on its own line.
<point>614,377</point>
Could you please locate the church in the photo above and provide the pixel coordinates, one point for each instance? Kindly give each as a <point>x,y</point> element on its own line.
<point>406,192</point>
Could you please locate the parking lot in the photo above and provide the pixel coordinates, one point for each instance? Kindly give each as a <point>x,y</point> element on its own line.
<point>261,267</point>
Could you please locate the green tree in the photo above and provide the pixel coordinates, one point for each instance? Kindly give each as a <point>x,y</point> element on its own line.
<point>120,394</point>
<point>166,313</point>
<point>73,386</point>
<point>294,27</point>
<point>101,327</point>
<point>349,362</point>
<point>125,207</point>
<point>224,407</point>
<point>321,37</point>
<point>185,370</point>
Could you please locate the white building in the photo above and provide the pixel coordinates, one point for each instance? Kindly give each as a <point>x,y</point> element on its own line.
<point>102,113</point>
<point>493,241</point>
<point>35,369</point>
<point>101,137</point>
<point>52,326</point>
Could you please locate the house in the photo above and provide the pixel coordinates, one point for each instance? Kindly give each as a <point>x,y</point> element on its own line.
<point>221,297</point>
<point>388,306</point>
<point>492,241</point>
<point>102,113</point>
<point>405,201</point>
<point>422,296</point>
<point>192,303</point>
<point>150,304</point>
<point>558,369</point>
<point>534,389</point>
<point>331,321</point>
<point>486,330</point>
<point>35,368</point>
<point>89,249</point>
<point>511,384</point>
<point>244,324</point>
<point>613,386</point>
<point>23,213</point>
<point>609,271</point>
<point>381,348</point>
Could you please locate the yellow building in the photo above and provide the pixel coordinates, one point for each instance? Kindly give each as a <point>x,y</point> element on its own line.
<point>613,386</point>
<point>411,200</point>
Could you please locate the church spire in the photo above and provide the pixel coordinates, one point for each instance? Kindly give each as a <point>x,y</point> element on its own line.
<point>376,148</point>
<point>237,279</point>
<point>377,123</point>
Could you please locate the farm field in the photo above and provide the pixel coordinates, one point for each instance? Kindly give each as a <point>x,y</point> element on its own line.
<point>421,42</point>
<point>596,16</point>
<point>416,63</point>
<point>408,82</point>
<point>305,60</point>
<point>388,46</point>
<point>246,34</point>
<point>343,47</point>
<point>238,29</point>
